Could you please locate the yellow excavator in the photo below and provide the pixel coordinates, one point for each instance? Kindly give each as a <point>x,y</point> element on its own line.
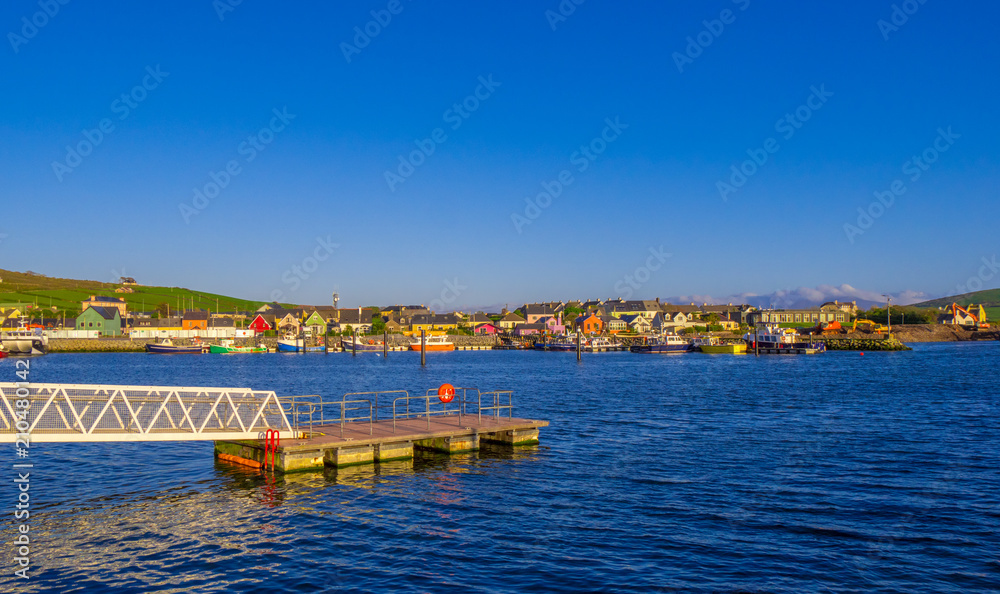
<point>869,326</point>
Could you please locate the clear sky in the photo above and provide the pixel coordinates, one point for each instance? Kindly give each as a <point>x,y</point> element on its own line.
<point>317,122</point>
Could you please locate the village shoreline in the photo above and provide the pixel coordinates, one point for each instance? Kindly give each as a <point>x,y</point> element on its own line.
<point>901,335</point>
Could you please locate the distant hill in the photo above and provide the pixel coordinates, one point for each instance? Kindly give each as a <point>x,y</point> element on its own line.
<point>989,297</point>
<point>66,294</point>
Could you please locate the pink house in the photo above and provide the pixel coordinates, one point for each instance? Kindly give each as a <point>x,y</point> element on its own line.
<point>553,324</point>
<point>529,329</point>
<point>485,328</point>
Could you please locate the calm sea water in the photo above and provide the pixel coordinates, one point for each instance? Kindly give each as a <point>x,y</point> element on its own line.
<point>838,472</point>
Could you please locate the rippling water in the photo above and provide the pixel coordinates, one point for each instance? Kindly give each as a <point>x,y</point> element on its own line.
<point>683,473</point>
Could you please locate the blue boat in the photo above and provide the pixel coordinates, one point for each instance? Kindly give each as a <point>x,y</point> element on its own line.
<point>298,346</point>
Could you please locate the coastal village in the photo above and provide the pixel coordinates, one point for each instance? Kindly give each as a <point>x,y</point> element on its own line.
<point>624,322</point>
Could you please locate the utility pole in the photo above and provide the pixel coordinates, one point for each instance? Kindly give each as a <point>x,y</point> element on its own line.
<point>888,316</point>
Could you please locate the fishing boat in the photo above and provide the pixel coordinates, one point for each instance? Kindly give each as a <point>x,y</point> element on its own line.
<point>771,340</point>
<point>600,345</point>
<point>298,345</point>
<point>434,343</point>
<point>24,341</point>
<point>228,346</point>
<point>668,344</point>
<point>559,343</point>
<point>362,345</point>
<point>713,345</point>
<point>167,347</point>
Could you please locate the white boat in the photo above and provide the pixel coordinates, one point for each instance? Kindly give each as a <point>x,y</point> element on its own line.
<point>598,345</point>
<point>775,340</point>
<point>24,342</point>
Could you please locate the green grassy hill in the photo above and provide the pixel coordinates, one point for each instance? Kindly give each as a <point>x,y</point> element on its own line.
<point>989,298</point>
<point>66,294</point>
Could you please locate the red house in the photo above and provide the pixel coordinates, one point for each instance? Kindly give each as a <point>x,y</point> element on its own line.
<point>486,328</point>
<point>261,323</point>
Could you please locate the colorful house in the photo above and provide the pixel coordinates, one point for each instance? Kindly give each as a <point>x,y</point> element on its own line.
<point>102,301</point>
<point>637,323</point>
<point>486,328</point>
<point>510,321</point>
<point>315,323</point>
<point>262,323</point>
<point>433,322</point>
<point>195,320</point>
<point>553,324</point>
<point>614,325</point>
<point>589,323</point>
<point>105,320</point>
<point>529,329</point>
<point>533,313</point>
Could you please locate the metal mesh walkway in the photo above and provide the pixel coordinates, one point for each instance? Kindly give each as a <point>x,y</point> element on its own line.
<point>89,413</point>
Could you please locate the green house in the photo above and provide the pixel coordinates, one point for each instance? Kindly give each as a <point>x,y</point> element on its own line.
<point>316,322</point>
<point>106,320</point>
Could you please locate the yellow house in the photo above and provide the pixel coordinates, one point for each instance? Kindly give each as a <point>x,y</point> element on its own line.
<point>433,322</point>
<point>7,313</point>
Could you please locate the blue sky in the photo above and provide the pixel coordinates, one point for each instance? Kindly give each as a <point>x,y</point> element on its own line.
<point>317,199</point>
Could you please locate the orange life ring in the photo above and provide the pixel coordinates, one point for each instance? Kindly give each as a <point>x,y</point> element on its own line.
<point>446,393</point>
<point>370,341</point>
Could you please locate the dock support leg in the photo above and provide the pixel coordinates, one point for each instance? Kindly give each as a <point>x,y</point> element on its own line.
<point>512,437</point>
<point>385,452</point>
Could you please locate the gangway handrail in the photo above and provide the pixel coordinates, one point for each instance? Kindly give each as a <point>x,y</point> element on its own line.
<point>376,394</point>
<point>97,412</point>
<point>497,407</point>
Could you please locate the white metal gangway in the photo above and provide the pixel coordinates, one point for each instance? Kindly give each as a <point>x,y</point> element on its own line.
<point>91,413</point>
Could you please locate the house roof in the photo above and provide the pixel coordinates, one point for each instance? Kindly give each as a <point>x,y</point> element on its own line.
<point>108,313</point>
<point>195,315</point>
<point>512,317</point>
<point>105,298</point>
<point>352,316</point>
<point>479,318</point>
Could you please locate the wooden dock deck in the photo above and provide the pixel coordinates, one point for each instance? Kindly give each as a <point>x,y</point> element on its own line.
<point>364,442</point>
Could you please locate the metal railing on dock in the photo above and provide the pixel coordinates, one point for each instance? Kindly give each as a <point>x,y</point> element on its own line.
<point>308,412</point>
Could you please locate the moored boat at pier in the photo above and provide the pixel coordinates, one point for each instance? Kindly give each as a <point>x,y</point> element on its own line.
<point>371,345</point>
<point>228,346</point>
<point>668,344</point>
<point>781,341</point>
<point>713,345</point>
<point>433,343</point>
<point>24,341</point>
<point>167,347</point>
